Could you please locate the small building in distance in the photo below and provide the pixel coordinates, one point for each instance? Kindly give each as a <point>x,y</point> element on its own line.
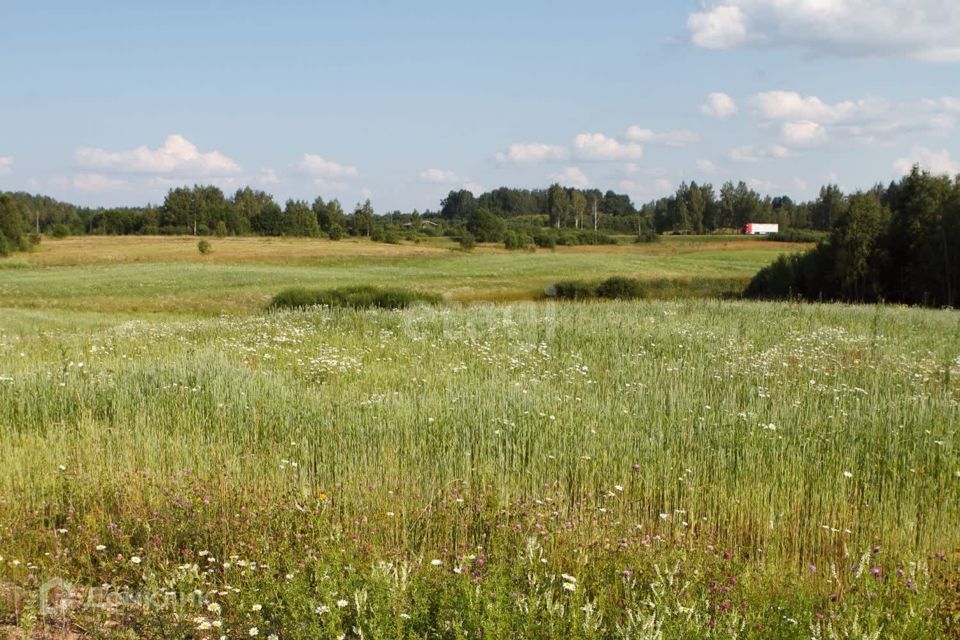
<point>760,229</point>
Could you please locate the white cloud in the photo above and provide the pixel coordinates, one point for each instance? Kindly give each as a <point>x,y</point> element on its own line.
<point>801,184</point>
<point>6,165</point>
<point>176,156</point>
<point>920,29</point>
<point>532,153</point>
<point>808,120</point>
<point>596,146</point>
<point>803,133</point>
<point>938,162</point>
<point>439,176</point>
<point>571,177</point>
<point>267,176</point>
<point>96,182</point>
<point>790,105</point>
<point>474,187</point>
<point>319,168</point>
<point>450,178</point>
<point>721,27</point>
<point>675,138</point>
<point>706,166</point>
<point>749,153</point>
<point>719,105</point>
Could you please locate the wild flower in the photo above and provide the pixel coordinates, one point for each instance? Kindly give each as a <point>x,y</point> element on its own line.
<point>136,559</point>
<point>256,607</point>
<point>342,604</point>
<point>213,608</point>
<point>254,631</point>
<point>322,609</point>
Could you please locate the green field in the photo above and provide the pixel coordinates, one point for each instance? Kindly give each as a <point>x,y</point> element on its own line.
<point>690,468</point>
<point>168,274</point>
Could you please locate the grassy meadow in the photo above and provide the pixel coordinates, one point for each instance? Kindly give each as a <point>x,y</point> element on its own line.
<point>198,467</point>
<point>168,275</point>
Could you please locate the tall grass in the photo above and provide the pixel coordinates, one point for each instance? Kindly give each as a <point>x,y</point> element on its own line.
<point>786,435</point>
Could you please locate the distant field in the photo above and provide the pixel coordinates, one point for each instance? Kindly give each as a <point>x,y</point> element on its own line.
<point>168,274</point>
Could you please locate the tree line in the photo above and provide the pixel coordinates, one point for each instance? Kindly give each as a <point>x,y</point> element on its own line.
<point>900,244</point>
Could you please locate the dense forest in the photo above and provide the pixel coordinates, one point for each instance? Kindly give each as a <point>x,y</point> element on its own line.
<point>899,244</point>
<point>206,210</point>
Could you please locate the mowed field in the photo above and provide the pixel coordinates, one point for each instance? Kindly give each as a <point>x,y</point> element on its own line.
<point>168,274</point>
<point>687,468</point>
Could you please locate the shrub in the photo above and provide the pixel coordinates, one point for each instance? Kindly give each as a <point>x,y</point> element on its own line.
<point>361,297</point>
<point>336,232</point>
<point>545,240</point>
<point>204,247</point>
<point>584,237</point>
<point>221,230</point>
<point>799,235</point>
<point>467,241</point>
<point>573,290</point>
<point>59,231</point>
<point>390,236</point>
<point>5,249</point>
<point>620,288</point>
<point>516,240</point>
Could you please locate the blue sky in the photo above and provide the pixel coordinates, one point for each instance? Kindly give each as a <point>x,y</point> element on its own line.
<point>115,102</point>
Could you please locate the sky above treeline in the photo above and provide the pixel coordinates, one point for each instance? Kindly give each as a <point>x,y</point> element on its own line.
<point>114,103</point>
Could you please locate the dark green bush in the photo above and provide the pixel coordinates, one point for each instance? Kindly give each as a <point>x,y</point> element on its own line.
<point>59,231</point>
<point>516,240</point>
<point>620,288</point>
<point>799,235</point>
<point>361,297</point>
<point>467,241</point>
<point>573,290</point>
<point>204,247</point>
<point>575,237</point>
<point>336,232</point>
<point>545,239</point>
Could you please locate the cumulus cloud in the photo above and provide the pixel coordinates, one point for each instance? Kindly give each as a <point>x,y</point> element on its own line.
<point>439,176</point>
<point>571,177</point>
<point>920,29</point>
<point>719,105</point>
<point>320,168</point>
<point>6,165</point>
<point>806,120</point>
<point>96,182</point>
<point>721,27</point>
<point>675,138</point>
<point>176,156</point>
<point>938,162</point>
<point>532,153</point>
<point>596,146</point>
<point>803,133</point>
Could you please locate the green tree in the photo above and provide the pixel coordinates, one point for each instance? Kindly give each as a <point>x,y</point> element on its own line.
<point>300,220</point>
<point>558,205</point>
<point>362,219</point>
<point>11,224</point>
<point>458,205</point>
